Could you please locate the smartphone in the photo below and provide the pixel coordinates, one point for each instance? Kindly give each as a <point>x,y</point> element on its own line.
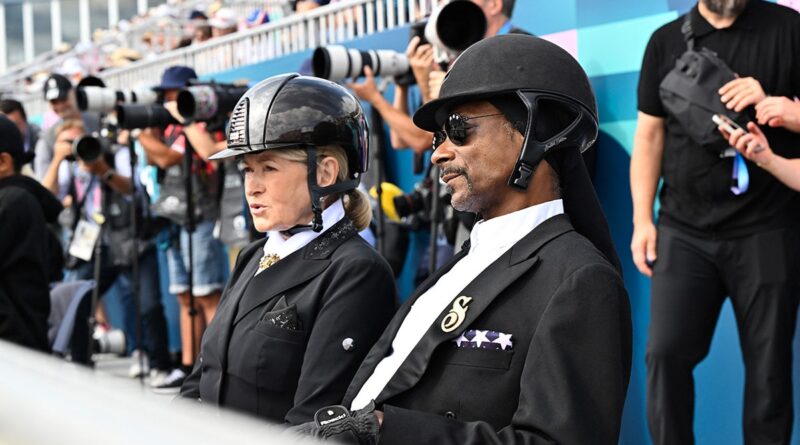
<point>730,126</point>
<point>726,123</point>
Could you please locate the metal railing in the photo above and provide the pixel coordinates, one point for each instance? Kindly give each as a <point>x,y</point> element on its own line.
<point>46,400</point>
<point>323,26</point>
<point>334,23</point>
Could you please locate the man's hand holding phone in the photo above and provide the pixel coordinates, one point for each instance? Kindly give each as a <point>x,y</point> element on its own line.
<point>751,143</point>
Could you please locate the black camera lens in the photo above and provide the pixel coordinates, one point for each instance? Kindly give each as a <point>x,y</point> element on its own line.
<point>130,117</point>
<point>206,102</point>
<point>87,148</point>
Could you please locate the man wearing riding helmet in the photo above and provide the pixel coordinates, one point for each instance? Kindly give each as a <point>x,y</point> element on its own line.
<point>525,336</point>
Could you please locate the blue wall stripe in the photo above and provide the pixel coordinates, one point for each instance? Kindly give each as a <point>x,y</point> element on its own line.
<point>617,47</point>
<point>593,12</point>
<point>616,100</point>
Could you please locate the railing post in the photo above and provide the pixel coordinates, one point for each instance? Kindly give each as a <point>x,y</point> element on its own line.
<point>381,15</point>
<point>113,13</point>
<point>370,18</point>
<point>55,23</point>
<point>3,39</point>
<point>84,21</point>
<point>27,30</point>
<point>390,14</point>
<point>401,12</point>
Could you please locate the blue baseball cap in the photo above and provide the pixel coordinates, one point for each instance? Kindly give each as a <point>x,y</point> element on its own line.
<point>175,78</point>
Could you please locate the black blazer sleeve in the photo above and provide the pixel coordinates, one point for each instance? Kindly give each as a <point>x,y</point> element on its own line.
<point>574,381</point>
<point>358,304</point>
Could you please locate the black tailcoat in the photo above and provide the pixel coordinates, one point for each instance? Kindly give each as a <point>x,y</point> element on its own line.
<point>564,381</point>
<point>341,289</point>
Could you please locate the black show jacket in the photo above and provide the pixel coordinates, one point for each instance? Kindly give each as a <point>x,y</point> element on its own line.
<point>564,381</point>
<point>341,289</point>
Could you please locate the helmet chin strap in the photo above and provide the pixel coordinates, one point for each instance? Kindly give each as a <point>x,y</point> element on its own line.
<point>318,194</point>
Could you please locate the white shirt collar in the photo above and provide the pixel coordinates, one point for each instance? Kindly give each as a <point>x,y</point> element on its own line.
<point>276,244</point>
<point>503,231</point>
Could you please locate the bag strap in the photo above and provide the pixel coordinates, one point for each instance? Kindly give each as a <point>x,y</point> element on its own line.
<point>78,206</point>
<point>686,30</point>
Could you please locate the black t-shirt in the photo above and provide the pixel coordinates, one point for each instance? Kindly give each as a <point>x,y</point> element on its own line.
<point>763,43</point>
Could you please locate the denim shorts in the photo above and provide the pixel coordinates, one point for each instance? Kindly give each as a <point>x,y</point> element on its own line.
<point>208,273</point>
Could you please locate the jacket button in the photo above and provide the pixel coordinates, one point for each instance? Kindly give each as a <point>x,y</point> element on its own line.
<point>450,415</point>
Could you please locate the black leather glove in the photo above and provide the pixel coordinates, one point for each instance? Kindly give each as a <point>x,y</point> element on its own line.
<point>338,423</point>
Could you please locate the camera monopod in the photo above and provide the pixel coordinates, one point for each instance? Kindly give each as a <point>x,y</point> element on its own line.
<point>100,219</point>
<point>188,154</point>
<point>135,273</point>
<point>379,144</point>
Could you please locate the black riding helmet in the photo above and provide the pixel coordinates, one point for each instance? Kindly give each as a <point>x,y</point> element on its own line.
<point>535,84</point>
<point>291,110</point>
<point>535,71</point>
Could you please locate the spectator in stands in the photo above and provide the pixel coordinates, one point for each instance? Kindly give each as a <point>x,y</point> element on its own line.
<point>257,17</point>
<point>301,6</point>
<point>202,33</point>
<point>305,305</point>
<point>224,22</point>
<point>14,110</point>
<point>166,150</point>
<point>59,93</point>
<point>25,253</point>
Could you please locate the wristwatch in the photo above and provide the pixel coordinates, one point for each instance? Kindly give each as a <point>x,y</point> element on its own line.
<point>108,175</point>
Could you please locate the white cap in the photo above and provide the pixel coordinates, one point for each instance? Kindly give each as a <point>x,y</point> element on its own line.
<point>224,18</point>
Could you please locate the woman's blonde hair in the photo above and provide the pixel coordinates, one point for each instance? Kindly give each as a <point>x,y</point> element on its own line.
<point>356,204</point>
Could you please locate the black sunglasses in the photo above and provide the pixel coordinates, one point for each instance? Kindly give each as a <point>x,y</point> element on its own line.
<point>455,129</point>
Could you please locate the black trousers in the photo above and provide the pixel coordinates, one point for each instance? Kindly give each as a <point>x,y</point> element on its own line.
<point>691,280</point>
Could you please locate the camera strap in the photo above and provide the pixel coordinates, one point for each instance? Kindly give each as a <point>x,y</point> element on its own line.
<point>78,204</point>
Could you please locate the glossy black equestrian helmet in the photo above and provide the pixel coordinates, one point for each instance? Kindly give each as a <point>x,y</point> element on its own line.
<point>536,72</point>
<point>294,111</point>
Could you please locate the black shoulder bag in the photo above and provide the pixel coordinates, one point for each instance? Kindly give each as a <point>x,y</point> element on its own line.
<point>689,92</point>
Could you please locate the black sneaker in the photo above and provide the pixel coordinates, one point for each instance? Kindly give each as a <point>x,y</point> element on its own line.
<point>172,384</point>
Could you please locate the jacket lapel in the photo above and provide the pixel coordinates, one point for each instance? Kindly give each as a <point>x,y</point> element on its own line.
<point>381,347</point>
<point>295,269</point>
<point>480,293</point>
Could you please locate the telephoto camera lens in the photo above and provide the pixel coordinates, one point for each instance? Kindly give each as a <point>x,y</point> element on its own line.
<point>87,148</point>
<point>104,100</point>
<point>207,102</point>
<point>337,62</point>
<point>456,26</point>
<point>130,117</point>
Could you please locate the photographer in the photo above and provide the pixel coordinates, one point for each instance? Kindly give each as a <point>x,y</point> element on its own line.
<point>726,228</point>
<point>98,191</point>
<point>60,95</point>
<point>167,150</point>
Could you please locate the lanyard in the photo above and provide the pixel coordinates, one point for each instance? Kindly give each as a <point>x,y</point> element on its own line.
<point>740,177</point>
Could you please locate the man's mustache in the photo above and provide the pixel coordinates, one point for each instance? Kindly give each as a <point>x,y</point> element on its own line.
<point>453,170</point>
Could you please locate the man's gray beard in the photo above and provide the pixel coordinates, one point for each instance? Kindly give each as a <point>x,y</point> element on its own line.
<point>725,8</point>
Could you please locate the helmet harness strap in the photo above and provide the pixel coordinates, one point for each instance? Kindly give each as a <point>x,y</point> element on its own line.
<point>533,150</point>
<point>318,193</point>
